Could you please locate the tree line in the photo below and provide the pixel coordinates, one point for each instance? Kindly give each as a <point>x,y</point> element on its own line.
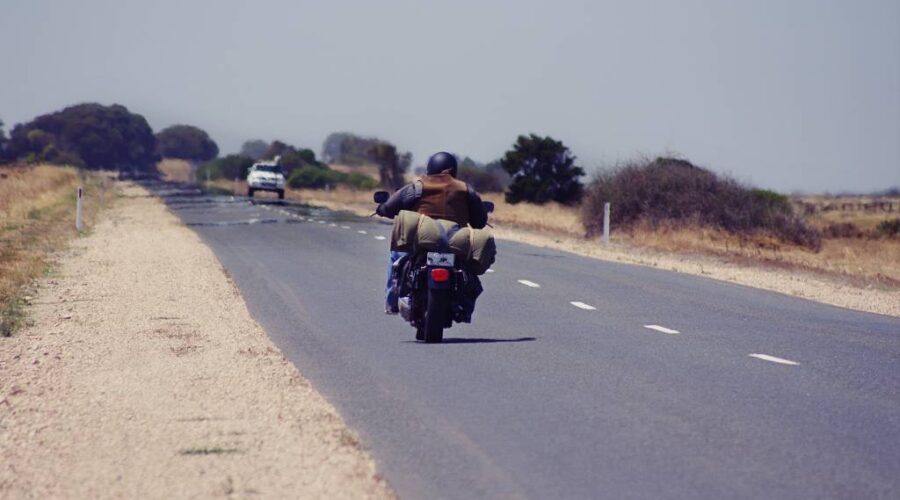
<point>96,136</point>
<point>536,169</point>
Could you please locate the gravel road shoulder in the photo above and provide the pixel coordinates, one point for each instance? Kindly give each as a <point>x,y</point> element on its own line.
<point>143,375</point>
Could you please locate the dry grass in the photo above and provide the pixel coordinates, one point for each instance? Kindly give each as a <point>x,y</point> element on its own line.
<point>37,217</point>
<point>864,221</point>
<point>175,170</point>
<point>550,218</point>
<point>370,170</point>
<point>863,261</point>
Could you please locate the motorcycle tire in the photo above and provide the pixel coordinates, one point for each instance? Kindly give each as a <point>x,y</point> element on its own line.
<point>436,315</point>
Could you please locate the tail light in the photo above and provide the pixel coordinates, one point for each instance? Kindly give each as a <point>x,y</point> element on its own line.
<point>440,275</point>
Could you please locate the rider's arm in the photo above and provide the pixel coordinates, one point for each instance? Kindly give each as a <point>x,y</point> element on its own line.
<point>477,215</point>
<point>403,199</point>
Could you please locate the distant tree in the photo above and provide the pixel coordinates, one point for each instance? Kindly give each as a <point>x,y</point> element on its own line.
<point>331,148</point>
<point>186,142</point>
<point>90,135</point>
<point>254,148</point>
<point>277,148</point>
<point>292,158</point>
<point>3,141</point>
<point>391,165</point>
<point>480,177</point>
<point>351,149</point>
<point>542,170</point>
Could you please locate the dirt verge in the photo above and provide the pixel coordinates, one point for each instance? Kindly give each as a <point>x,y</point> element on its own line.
<point>144,376</point>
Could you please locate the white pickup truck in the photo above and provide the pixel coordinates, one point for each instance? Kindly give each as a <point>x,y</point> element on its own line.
<point>265,176</point>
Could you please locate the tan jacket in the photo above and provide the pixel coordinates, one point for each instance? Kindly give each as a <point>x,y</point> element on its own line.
<point>444,197</point>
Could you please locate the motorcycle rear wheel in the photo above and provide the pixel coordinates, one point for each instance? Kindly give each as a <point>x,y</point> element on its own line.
<point>436,316</point>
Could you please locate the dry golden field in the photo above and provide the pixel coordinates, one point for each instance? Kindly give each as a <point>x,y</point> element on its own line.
<point>37,217</point>
<point>175,170</point>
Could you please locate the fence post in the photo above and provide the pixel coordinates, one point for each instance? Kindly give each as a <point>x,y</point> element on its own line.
<point>606,223</point>
<point>78,209</point>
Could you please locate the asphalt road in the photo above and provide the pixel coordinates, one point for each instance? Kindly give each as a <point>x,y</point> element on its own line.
<point>571,382</point>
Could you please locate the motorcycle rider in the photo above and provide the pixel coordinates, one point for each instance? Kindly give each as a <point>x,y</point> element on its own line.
<point>437,194</point>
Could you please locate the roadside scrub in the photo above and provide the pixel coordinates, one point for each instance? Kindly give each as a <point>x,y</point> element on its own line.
<point>37,218</point>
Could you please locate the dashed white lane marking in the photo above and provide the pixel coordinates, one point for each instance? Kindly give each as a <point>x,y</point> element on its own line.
<point>345,227</point>
<point>773,359</point>
<point>380,238</point>
<point>531,284</point>
<point>662,329</point>
<point>582,305</point>
<point>333,224</point>
<point>362,232</point>
<point>490,270</point>
<point>321,222</point>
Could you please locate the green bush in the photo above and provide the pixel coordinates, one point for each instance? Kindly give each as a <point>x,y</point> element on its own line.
<point>321,177</point>
<point>674,190</point>
<point>362,181</point>
<point>313,177</point>
<point>889,228</point>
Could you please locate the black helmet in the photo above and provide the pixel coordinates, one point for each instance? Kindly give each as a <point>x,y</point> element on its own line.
<point>440,162</point>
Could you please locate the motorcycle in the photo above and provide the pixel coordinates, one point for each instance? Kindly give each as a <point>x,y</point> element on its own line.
<point>434,288</point>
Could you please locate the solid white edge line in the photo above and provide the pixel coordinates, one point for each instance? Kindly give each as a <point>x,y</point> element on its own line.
<point>773,359</point>
<point>662,329</point>
<point>531,284</point>
<point>582,305</point>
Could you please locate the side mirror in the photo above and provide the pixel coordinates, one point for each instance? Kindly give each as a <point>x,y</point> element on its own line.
<point>488,206</point>
<point>381,196</point>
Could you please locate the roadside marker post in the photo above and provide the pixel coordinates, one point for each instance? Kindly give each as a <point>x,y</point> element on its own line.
<point>79,194</point>
<point>606,223</point>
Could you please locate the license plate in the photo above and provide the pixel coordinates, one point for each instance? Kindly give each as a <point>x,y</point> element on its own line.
<point>440,259</point>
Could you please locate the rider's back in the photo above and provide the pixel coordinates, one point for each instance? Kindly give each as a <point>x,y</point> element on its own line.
<point>444,197</point>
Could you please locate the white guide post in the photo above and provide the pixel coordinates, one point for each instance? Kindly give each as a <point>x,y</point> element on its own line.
<point>606,223</point>
<point>78,209</point>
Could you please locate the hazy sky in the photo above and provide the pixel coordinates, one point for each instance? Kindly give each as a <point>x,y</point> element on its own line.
<point>787,94</point>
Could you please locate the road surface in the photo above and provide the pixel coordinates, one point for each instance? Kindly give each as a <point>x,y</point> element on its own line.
<point>579,378</point>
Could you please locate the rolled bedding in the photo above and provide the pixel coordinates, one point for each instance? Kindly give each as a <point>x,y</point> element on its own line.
<point>414,232</point>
